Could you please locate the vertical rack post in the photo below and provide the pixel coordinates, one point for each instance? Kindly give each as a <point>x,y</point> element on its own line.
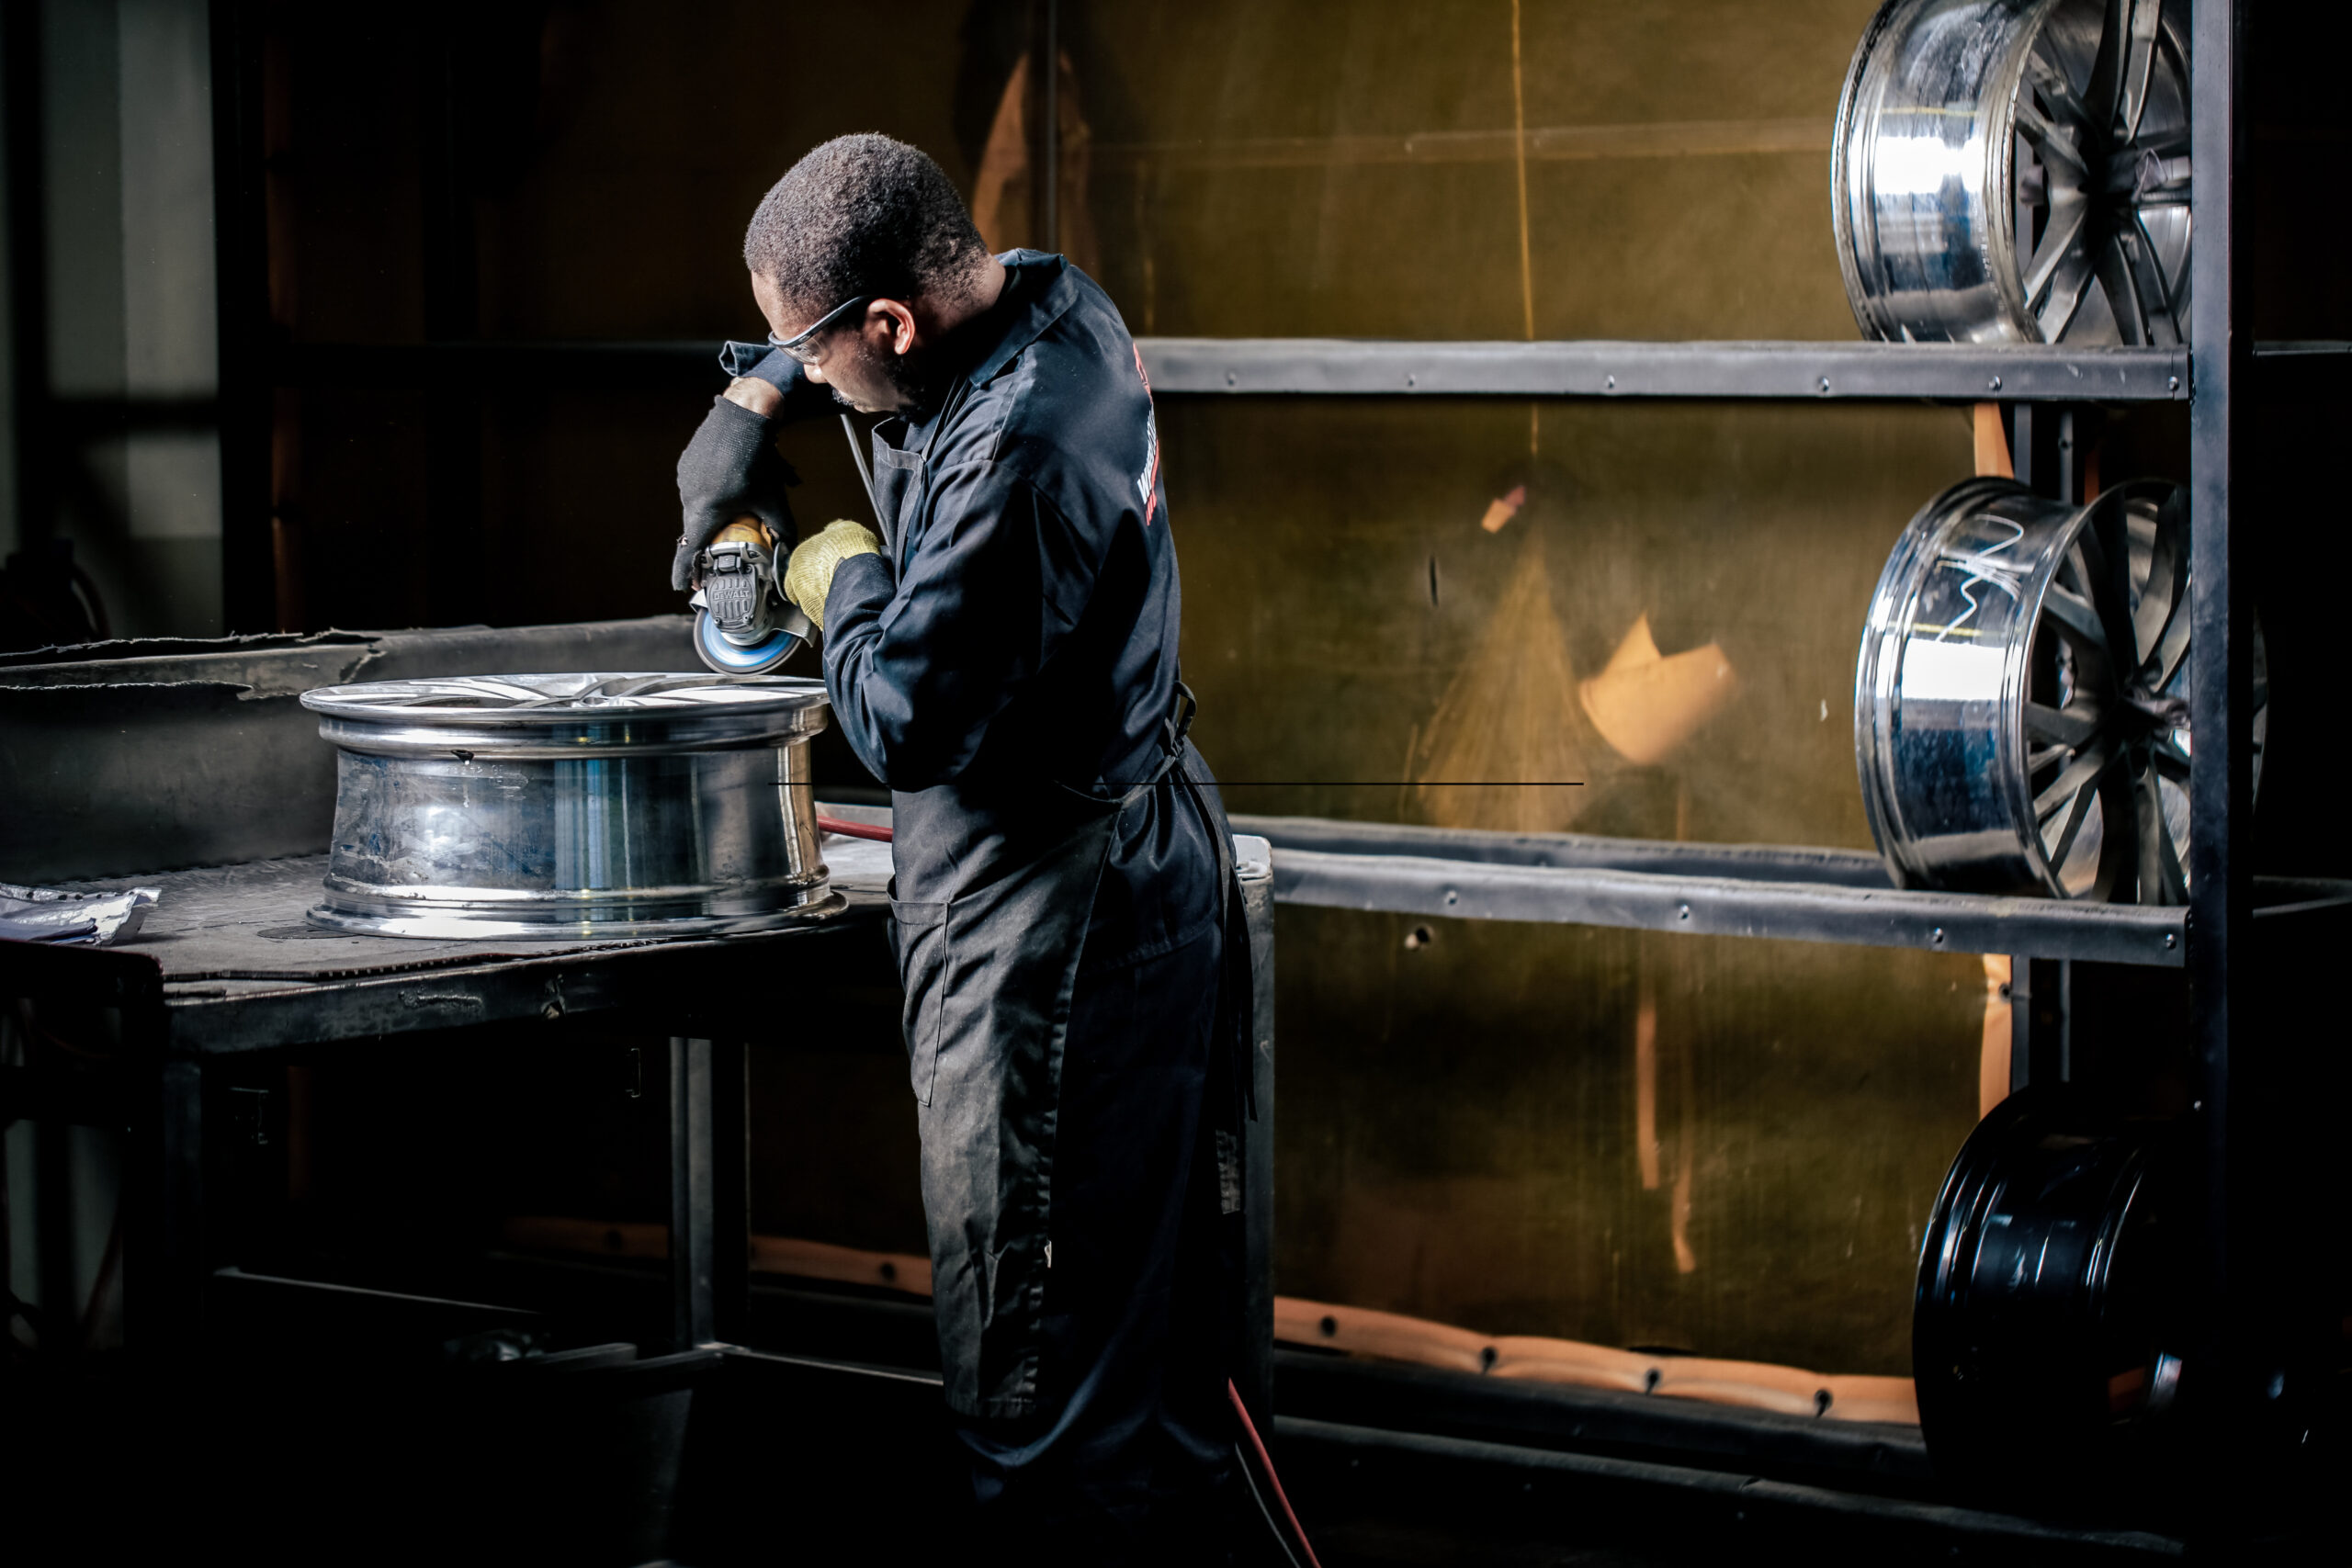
<point>249,596</point>
<point>2221,777</point>
<point>691,1230</point>
<point>1255,1374</point>
<point>453,520</point>
<point>27,273</point>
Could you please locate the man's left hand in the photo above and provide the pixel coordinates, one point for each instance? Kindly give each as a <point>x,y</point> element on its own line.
<point>809,576</point>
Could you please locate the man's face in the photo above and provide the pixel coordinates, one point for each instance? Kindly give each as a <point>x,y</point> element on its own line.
<point>875,364</point>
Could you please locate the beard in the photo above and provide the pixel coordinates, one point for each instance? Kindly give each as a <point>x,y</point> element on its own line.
<point>912,382</point>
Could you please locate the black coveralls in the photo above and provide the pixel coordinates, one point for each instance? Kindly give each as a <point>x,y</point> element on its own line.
<point>1011,675</point>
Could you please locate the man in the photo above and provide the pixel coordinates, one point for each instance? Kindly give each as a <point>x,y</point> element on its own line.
<point>1063,904</point>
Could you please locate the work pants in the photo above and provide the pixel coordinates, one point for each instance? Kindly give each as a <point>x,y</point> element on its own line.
<point>1129,1457</point>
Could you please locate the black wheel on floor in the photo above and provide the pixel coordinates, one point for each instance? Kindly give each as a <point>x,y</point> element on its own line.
<point>2045,1332</point>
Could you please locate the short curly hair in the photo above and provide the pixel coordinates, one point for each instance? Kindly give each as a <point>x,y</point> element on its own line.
<point>862,215</point>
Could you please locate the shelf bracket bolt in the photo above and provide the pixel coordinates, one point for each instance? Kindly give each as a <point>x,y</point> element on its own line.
<point>1609,385</point>
<point>1824,386</point>
<point>2171,941</point>
<point>1937,936</point>
<point>1682,912</point>
<point>2172,383</point>
<point>1993,385</point>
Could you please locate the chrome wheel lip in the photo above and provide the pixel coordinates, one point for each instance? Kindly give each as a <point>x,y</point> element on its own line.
<point>1999,863</point>
<point>1952,784</point>
<point>1944,264</point>
<point>545,716</point>
<point>1988,223</point>
<point>354,912</point>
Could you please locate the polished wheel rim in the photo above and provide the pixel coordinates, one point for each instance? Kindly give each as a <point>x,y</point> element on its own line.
<point>573,805</point>
<point>2022,698</point>
<point>2016,170</point>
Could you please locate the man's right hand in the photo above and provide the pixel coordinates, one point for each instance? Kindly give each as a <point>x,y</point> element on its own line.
<point>729,467</point>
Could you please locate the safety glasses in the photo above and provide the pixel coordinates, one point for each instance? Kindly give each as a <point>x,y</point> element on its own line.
<point>801,345</point>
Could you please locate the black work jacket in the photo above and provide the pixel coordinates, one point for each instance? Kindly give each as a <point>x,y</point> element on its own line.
<point>1023,643</point>
<point>1009,670</point>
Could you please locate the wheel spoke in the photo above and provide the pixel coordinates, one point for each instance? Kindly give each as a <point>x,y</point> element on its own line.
<point>2107,551</point>
<point>2077,622</point>
<point>2115,276</point>
<point>2139,57</point>
<point>2161,596</point>
<point>2086,770</point>
<point>2171,761</point>
<point>2050,81</point>
<point>2071,725</point>
<point>2161,878</point>
<point>2070,278</point>
<point>2078,812</point>
<point>2071,573</point>
<point>2059,244</point>
<point>2118,84</point>
<point>2107,66</point>
<point>2057,150</point>
<point>2172,640</point>
<point>2161,315</point>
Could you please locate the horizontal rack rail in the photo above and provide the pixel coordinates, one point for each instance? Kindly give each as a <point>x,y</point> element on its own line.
<point>1599,369</point>
<point>1789,894</point>
<point>1784,371</point>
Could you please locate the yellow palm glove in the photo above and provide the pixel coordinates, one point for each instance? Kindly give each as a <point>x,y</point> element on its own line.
<point>809,576</point>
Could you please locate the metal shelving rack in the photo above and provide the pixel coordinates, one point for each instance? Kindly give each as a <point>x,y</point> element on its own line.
<point>1823,896</point>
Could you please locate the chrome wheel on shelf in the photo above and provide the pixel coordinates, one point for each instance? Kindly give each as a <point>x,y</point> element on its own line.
<point>2021,700</point>
<point>2016,170</point>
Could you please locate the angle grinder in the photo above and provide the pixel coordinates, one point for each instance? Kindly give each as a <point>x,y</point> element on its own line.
<point>743,624</point>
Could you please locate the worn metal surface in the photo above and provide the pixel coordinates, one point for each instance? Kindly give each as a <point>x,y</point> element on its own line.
<point>1730,907</point>
<point>1255,1375</point>
<point>1659,857</point>
<point>237,968</point>
<point>1586,1484</point>
<point>2221,782</point>
<point>1768,890</point>
<point>1954,372</point>
<point>581,805</point>
<point>1269,366</point>
<point>129,757</point>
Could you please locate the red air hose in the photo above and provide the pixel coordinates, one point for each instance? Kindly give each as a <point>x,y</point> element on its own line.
<point>880,834</point>
<point>1266,1460</point>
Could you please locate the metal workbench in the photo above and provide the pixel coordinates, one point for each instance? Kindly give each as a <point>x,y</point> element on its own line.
<point>225,967</point>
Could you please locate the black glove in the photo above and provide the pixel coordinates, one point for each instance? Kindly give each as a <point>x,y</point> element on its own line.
<point>760,362</point>
<point>731,468</point>
<point>803,399</point>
